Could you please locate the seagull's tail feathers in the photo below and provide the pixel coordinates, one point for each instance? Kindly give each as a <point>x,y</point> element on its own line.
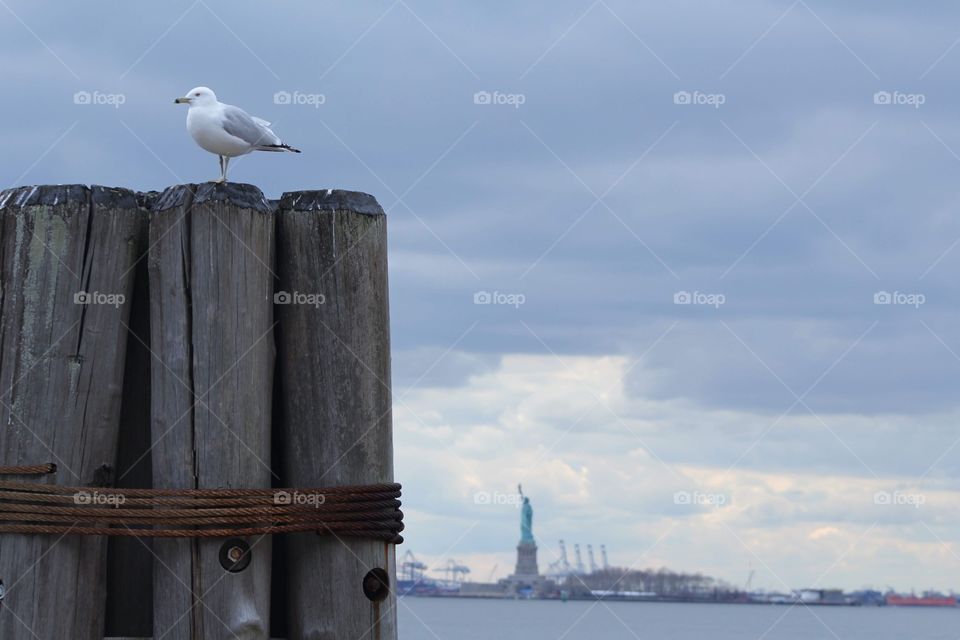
<point>277,147</point>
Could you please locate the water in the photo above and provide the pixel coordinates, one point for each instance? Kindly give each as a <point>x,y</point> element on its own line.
<point>471,619</point>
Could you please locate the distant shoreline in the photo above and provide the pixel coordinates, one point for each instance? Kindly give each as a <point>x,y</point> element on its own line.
<point>675,600</point>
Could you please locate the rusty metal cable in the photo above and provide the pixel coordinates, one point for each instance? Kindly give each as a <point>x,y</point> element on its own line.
<point>364,511</point>
<point>29,470</point>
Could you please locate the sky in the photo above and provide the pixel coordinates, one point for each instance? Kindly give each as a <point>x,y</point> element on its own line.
<point>684,270</point>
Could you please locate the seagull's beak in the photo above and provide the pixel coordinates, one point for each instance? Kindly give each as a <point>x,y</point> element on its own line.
<point>182,101</point>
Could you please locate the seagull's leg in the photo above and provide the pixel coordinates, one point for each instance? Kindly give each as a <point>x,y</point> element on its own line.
<point>223,170</point>
<point>226,163</point>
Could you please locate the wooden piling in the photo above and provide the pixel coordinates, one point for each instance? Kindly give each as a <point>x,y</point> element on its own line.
<point>221,265</point>
<point>211,287</point>
<point>66,258</point>
<point>336,427</point>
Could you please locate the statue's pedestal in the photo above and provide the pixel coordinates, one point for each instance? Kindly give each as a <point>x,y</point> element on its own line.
<point>527,560</point>
<point>526,579</point>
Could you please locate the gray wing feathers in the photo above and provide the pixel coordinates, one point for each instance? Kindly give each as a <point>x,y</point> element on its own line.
<point>253,131</point>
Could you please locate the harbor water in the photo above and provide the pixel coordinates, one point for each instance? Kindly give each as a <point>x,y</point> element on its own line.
<point>475,619</point>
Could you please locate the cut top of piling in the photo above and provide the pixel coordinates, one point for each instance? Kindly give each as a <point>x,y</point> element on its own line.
<point>246,196</point>
<point>51,195</point>
<point>331,200</point>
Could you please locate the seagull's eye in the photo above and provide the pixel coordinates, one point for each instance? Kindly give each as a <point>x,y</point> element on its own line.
<point>197,95</point>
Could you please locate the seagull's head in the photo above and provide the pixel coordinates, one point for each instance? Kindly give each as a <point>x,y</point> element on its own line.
<point>198,96</point>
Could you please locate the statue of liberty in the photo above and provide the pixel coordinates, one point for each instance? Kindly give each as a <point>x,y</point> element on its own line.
<point>527,573</point>
<point>526,518</point>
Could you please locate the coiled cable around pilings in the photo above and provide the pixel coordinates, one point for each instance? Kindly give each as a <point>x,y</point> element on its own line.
<point>359,511</point>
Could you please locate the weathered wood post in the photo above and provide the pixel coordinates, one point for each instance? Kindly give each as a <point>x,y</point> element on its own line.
<point>67,256</point>
<point>211,288</point>
<point>334,366</point>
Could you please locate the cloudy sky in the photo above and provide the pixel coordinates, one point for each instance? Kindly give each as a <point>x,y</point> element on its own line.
<point>685,270</point>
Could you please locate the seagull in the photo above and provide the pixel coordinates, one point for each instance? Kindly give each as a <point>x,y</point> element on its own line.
<point>226,130</point>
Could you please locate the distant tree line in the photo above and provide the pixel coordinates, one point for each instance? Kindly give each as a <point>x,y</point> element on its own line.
<point>662,582</point>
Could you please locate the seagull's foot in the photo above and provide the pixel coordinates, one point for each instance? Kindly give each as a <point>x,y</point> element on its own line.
<point>220,180</point>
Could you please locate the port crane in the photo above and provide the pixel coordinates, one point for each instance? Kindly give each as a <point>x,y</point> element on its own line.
<point>411,569</point>
<point>560,568</point>
<point>576,554</point>
<point>565,564</point>
<point>454,572</point>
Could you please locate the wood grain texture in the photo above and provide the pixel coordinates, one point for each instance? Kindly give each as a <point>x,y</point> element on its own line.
<point>336,424</point>
<point>61,375</point>
<point>211,286</point>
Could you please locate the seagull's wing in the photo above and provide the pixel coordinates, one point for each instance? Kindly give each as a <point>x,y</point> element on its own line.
<point>253,131</point>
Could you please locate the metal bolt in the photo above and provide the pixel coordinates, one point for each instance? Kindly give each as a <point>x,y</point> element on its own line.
<point>3,591</point>
<point>235,555</point>
<point>376,585</point>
